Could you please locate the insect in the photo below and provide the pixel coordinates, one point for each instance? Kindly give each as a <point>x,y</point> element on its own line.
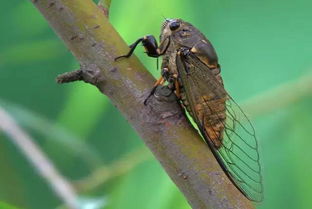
<point>191,69</point>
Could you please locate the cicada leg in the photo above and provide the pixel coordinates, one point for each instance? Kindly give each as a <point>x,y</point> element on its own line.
<point>177,88</point>
<point>149,43</point>
<point>160,81</point>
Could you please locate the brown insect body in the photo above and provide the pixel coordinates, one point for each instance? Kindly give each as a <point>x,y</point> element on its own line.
<point>190,66</point>
<point>209,107</point>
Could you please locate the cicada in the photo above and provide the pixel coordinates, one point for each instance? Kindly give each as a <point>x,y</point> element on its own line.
<point>190,67</point>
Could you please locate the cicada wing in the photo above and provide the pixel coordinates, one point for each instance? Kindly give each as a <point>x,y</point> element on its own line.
<point>218,115</point>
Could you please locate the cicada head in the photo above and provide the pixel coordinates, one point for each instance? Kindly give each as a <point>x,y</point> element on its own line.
<point>178,31</point>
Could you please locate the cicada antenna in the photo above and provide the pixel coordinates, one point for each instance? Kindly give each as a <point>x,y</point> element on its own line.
<point>163,16</point>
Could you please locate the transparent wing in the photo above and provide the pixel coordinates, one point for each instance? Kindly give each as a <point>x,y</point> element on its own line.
<point>238,154</point>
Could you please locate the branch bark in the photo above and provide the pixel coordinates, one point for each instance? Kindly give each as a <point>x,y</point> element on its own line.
<point>161,124</point>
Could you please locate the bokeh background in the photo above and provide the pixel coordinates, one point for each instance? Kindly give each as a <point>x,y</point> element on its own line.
<point>265,49</point>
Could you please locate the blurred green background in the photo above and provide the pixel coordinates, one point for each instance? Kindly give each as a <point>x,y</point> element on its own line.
<point>264,48</point>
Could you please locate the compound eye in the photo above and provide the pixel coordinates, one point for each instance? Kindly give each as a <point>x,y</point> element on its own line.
<point>174,25</point>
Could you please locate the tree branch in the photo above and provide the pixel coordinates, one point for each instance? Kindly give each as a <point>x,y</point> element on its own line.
<point>161,124</point>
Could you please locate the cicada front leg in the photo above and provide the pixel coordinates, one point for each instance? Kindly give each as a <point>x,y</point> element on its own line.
<point>152,50</point>
<point>149,43</point>
<point>160,81</point>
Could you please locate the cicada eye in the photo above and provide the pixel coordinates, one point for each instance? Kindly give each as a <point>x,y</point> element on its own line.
<point>174,25</point>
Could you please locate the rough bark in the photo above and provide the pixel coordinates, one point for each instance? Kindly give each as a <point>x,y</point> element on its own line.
<point>161,124</point>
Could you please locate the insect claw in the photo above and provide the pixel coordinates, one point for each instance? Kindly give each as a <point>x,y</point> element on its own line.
<point>145,101</point>
<point>150,94</point>
<point>117,58</point>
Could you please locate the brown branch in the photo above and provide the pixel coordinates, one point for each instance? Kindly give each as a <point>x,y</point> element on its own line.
<point>161,124</point>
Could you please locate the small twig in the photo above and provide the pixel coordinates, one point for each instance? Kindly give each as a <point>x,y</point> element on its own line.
<point>70,77</point>
<point>87,73</point>
<point>39,160</point>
